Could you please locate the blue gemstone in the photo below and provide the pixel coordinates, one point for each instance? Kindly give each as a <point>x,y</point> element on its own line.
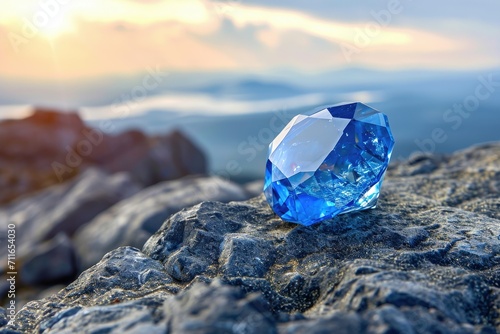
<point>329,163</point>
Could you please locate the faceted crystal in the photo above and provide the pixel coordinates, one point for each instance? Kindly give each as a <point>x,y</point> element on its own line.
<point>329,163</point>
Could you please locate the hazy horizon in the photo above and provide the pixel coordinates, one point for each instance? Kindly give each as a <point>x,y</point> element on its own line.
<point>221,71</point>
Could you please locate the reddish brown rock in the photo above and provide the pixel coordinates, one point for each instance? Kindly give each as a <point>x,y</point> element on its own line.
<point>50,147</point>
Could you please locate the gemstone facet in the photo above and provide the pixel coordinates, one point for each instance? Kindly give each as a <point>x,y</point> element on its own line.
<point>329,163</point>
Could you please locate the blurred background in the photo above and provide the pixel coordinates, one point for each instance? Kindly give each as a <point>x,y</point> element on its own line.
<point>229,74</point>
<point>138,106</point>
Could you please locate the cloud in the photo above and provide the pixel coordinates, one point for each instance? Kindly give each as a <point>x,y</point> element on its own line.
<point>139,12</point>
<point>103,49</point>
<point>97,37</point>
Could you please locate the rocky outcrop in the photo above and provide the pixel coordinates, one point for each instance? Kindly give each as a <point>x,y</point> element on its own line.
<point>63,208</point>
<point>50,147</point>
<point>45,222</point>
<point>427,260</point>
<point>149,303</point>
<point>51,262</point>
<point>106,211</point>
<point>132,221</point>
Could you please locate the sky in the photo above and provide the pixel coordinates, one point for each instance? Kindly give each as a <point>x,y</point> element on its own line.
<point>413,59</point>
<point>51,40</point>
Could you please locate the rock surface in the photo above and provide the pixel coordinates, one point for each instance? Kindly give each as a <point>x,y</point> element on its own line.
<point>50,147</point>
<point>427,260</point>
<point>63,208</point>
<point>3,317</point>
<point>44,260</point>
<point>45,222</point>
<point>132,221</point>
<point>51,262</point>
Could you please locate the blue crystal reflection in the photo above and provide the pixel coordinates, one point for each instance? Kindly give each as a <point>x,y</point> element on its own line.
<point>328,163</point>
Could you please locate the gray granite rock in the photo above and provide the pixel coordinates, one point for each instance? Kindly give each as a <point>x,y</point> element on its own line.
<point>137,316</point>
<point>124,274</point>
<point>65,207</point>
<point>202,308</point>
<point>3,317</point>
<point>61,209</point>
<point>49,263</point>
<point>132,221</point>
<point>427,260</point>
<point>218,308</point>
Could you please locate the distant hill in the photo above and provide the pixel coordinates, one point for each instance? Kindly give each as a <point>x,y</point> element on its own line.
<point>249,89</point>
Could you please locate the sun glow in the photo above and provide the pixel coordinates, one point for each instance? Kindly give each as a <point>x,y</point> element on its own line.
<point>88,38</point>
<point>57,27</point>
<point>49,19</point>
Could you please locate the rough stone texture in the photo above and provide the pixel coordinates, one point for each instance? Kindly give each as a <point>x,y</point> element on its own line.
<point>49,147</point>
<point>123,275</point>
<point>427,260</point>
<point>61,210</point>
<point>132,221</point>
<point>129,292</point>
<point>217,308</point>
